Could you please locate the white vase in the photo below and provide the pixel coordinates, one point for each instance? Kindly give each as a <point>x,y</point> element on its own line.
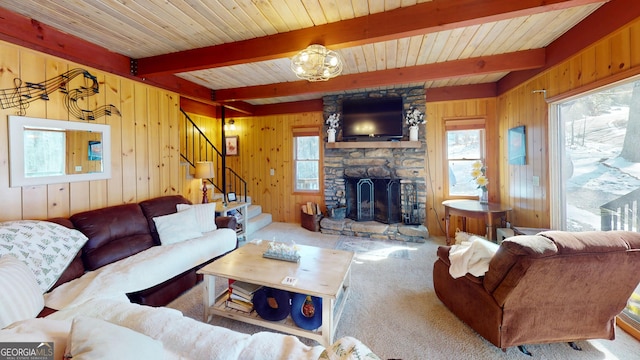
<point>483,198</point>
<point>331,135</point>
<point>413,133</point>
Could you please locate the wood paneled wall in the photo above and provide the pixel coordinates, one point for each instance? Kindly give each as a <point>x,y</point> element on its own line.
<point>145,142</point>
<point>437,171</point>
<point>265,143</point>
<point>613,58</point>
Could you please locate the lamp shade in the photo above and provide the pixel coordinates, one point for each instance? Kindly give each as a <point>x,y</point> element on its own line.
<point>204,170</point>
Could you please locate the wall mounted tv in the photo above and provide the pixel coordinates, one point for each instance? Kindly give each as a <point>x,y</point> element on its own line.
<point>372,119</point>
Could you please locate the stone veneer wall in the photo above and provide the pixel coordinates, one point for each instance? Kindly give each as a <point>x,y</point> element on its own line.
<point>407,164</point>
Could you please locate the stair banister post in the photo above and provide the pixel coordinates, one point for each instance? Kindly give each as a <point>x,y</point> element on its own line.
<point>224,156</point>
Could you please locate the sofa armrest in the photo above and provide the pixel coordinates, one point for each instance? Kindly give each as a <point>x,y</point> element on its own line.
<point>443,255</point>
<point>229,222</point>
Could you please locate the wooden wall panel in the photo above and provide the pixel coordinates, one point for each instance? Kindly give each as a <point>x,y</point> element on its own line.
<point>112,93</point>
<point>265,143</point>
<point>597,64</point>
<point>137,168</point>
<point>437,170</point>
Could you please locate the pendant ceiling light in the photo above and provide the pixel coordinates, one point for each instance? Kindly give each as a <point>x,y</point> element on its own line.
<point>316,63</point>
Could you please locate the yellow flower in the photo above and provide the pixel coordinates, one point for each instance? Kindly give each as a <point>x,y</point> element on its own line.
<point>478,173</point>
<point>482,181</point>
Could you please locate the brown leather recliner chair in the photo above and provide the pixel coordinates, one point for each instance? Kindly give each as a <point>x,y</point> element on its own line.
<point>552,287</point>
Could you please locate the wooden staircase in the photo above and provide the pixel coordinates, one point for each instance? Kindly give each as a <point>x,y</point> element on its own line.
<point>194,147</point>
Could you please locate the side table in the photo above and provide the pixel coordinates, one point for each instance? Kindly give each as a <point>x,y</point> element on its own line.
<point>231,208</point>
<point>472,208</point>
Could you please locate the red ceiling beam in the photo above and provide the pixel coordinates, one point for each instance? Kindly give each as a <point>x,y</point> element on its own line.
<point>528,59</point>
<point>429,17</point>
<point>474,91</point>
<point>22,31</point>
<point>289,107</point>
<point>602,22</point>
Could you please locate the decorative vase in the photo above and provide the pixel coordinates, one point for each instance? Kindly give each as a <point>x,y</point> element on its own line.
<point>484,197</point>
<point>413,133</point>
<point>331,135</point>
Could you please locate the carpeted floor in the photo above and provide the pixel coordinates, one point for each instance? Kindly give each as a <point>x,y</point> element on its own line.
<point>374,249</point>
<point>394,310</point>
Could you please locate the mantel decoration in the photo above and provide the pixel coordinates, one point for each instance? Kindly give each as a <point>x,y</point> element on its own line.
<point>316,63</point>
<point>479,174</point>
<point>21,95</point>
<point>414,118</point>
<point>333,121</point>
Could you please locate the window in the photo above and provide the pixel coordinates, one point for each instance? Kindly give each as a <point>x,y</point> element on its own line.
<point>306,158</point>
<point>596,154</point>
<point>465,146</point>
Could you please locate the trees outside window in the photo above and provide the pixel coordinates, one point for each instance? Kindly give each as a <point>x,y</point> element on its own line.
<point>307,160</point>
<point>598,187</point>
<point>465,146</point>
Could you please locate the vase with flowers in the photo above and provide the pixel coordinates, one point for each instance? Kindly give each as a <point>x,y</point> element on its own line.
<point>414,118</point>
<point>333,121</point>
<point>479,174</point>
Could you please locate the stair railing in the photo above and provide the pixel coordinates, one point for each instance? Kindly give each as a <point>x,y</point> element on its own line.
<point>195,146</point>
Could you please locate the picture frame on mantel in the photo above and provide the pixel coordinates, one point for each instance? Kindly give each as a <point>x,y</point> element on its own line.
<point>231,144</point>
<point>517,146</point>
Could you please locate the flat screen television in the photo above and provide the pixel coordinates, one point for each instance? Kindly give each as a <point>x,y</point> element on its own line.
<point>372,119</point>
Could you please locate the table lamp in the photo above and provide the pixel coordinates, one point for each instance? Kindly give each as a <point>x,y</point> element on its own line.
<point>204,170</point>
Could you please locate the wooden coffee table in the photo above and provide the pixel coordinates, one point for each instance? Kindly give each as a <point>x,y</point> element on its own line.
<point>323,273</point>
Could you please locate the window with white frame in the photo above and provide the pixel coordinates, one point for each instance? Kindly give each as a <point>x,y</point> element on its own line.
<point>465,139</point>
<point>306,158</point>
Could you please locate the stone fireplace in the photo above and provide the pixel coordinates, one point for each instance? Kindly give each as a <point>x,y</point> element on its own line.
<point>373,199</point>
<point>384,183</point>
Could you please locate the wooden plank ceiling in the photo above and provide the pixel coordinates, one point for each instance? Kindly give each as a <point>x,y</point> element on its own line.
<point>241,48</point>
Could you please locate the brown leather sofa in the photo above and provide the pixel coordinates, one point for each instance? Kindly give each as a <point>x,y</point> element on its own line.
<point>117,232</point>
<point>551,287</point>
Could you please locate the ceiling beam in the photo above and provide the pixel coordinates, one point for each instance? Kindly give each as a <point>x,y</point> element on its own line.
<point>473,91</point>
<point>520,60</point>
<point>429,17</point>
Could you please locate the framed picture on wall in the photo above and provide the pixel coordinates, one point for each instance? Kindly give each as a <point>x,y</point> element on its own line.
<point>95,150</point>
<point>231,144</point>
<point>517,146</point>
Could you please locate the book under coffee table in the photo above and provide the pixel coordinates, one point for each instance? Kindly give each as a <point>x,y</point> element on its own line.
<point>323,273</point>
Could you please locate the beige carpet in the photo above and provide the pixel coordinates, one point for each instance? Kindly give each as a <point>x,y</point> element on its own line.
<point>394,310</point>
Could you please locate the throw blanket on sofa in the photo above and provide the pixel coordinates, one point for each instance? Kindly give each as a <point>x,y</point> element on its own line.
<point>186,338</point>
<point>472,256</point>
<point>141,271</point>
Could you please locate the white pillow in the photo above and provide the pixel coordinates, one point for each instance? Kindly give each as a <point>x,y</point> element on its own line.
<point>92,338</point>
<point>39,330</point>
<point>177,227</point>
<point>46,247</point>
<point>205,215</point>
<point>20,296</point>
